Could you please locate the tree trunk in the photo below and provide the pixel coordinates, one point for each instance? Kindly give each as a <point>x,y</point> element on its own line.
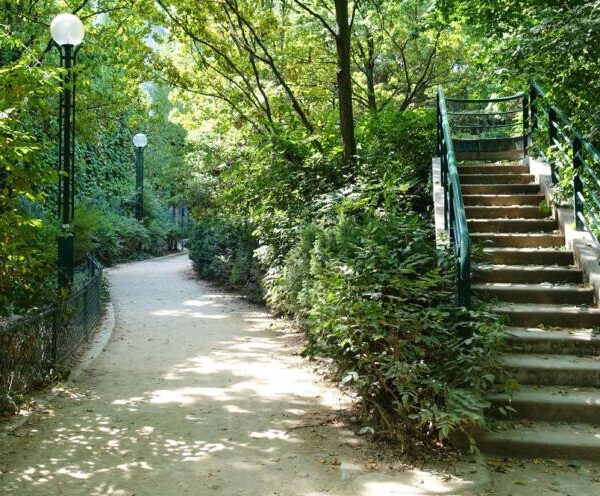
<point>370,72</point>
<point>344,79</point>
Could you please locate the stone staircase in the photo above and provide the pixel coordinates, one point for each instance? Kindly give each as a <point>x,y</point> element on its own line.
<point>551,313</point>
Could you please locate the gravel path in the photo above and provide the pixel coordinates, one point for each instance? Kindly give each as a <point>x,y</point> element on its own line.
<point>200,393</point>
<point>197,392</point>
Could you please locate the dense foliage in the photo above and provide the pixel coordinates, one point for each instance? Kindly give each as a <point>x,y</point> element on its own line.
<point>377,299</point>
<point>299,133</point>
<point>555,42</point>
<point>112,105</point>
<point>356,265</point>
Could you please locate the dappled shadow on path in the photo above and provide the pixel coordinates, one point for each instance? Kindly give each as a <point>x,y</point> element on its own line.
<point>194,396</point>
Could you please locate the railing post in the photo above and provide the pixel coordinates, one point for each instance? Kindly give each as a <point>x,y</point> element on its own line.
<point>451,214</point>
<point>552,138</point>
<point>444,164</point>
<point>577,184</point>
<point>443,160</point>
<point>439,127</point>
<point>525,126</point>
<point>463,294</point>
<point>533,115</point>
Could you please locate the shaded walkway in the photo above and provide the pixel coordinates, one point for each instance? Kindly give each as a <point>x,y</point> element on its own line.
<point>197,393</point>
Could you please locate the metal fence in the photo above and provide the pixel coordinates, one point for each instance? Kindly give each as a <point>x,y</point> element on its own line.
<point>33,347</point>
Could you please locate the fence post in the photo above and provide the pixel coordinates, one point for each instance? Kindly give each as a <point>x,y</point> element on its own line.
<point>552,138</point>
<point>577,184</point>
<point>55,324</point>
<point>86,291</point>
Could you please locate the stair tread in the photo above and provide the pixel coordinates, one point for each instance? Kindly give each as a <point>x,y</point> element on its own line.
<point>527,267</point>
<point>552,395</point>
<point>526,249</point>
<point>517,234</point>
<point>553,334</point>
<point>490,162</point>
<point>520,234</point>
<point>498,185</point>
<point>546,433</point>
<point>519,219</point>
<point>548,308</point>
<point>548,362</point>
<point>507,195</point>
<point>546,286</point>
<point>464,171</point>
<point>513,212</point>
<point>527,273</point>
<point>504,207</point>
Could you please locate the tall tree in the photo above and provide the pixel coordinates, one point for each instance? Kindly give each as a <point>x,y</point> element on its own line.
<point>341,34</point>
<point>344,78</point>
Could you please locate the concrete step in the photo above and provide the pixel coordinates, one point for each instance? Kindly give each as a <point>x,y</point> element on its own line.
<point>502,200</point>
<point>519,240</point>
<point>501,189</point>
<point>511,225</point>
<point>493,169</point>
<point>527,256</point>
<point>543,440</point>
<point>550,403</point>
<point>546,293</point>
<point>506,212</point>
<point>534,315</point>
<point>491,156</point>
<point>553,370</point>
<point>490,162</point>
<point>531,274</point>
<point>556,341</point>
<point>495,178</point>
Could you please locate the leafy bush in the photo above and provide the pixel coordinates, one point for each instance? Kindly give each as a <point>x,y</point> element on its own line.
<point>113,235</point>
<point>224,253</point>
<point>398,147</point>
<point>377,300</point>
<point>27,266</point>
<point>353,258</point>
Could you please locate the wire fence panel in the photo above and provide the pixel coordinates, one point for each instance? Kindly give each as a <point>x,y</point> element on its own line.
<point>33,347</point>
<point>27,351</point>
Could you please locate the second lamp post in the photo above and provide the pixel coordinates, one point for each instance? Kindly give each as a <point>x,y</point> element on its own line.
<point>140,141</point>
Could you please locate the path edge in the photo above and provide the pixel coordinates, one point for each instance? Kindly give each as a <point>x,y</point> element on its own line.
<point>91,352</point>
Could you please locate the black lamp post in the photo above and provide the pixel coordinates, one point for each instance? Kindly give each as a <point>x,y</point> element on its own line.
<point>67,32</point>
<point>139,141</point>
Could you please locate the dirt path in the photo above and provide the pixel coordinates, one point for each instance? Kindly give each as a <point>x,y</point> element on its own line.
<point>200,393</point>
<point>197,393</point>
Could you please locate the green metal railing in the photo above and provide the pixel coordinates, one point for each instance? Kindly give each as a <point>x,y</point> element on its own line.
<point>487,129</point>
<point>455,220</point>
<point>574,161</point>
<point>510,127</point>
<point>33,347</point>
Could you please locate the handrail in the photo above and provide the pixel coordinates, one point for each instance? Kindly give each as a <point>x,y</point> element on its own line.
<point>591,149</point>
<point>487,100</point>
<point>578,157</point>
<point>455,219</point>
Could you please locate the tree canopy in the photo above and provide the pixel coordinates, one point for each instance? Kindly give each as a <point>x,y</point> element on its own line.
<point>299,133</point>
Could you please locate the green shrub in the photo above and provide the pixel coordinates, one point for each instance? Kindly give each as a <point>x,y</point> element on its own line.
<point>376,299</point>
<point>113,235</point>
<point>398,147</point>
<point>224,253</point>
<point>27,267</point>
